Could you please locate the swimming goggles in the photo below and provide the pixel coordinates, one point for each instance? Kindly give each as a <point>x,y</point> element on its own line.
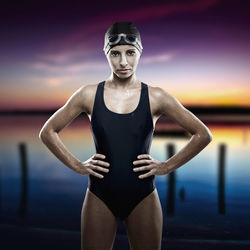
<point>128,38</point>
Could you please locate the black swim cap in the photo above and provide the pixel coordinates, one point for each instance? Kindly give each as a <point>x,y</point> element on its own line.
<point>127,28</point>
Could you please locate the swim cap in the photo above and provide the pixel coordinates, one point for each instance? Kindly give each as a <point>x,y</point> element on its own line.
<point>122,33</point>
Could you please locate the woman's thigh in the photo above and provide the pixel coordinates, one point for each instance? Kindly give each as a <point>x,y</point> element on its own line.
<point>98,224</point>
<point>144,224</point>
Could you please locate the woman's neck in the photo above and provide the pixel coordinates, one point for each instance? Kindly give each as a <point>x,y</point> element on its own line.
<point>115,82</point>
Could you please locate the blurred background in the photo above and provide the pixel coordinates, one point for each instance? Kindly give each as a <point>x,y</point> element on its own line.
<point>197,50</point>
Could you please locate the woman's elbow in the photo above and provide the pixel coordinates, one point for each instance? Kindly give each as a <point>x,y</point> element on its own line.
<point>44,134</point>
<point>206,136</point>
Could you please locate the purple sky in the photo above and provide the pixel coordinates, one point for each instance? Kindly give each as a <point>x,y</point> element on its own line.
<point>197,50</point>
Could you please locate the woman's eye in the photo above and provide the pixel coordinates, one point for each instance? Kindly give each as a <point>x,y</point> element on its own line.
<point>114,53</point>
<point>131,52</point>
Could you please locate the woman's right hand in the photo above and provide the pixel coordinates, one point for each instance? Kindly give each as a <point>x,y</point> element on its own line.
<point>93,163</point>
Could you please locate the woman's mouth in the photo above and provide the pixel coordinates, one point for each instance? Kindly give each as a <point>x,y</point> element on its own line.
<point>123,71</point>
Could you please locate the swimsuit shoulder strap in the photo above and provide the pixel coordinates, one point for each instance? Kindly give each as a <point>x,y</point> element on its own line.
<point>145,103</point>
<point>98,99</point>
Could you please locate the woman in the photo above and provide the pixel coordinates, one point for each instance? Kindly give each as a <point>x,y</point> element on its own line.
<point>123,112</point>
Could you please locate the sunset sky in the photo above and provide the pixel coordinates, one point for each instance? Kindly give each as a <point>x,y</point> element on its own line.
<point>197,50</point>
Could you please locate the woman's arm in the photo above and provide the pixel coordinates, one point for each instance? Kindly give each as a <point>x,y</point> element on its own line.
<point>201,135</point>
<point>76,104</point>
<point>79,102</point>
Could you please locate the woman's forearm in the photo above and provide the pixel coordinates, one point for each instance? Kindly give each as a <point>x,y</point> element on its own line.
<point>55,145</point>
<point>191,149</point>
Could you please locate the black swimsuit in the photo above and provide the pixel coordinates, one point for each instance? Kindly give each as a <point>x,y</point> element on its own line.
<point>122,137</point>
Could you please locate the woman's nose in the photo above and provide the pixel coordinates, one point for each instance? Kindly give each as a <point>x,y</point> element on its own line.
<point>123,61</point>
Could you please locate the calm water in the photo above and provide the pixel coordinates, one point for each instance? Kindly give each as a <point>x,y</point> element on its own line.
<point>207,198</point>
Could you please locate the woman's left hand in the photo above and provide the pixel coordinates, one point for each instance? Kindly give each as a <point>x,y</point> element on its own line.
<point>156,167</point>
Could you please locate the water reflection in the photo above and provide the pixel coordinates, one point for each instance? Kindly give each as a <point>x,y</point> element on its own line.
<point>37,189</point>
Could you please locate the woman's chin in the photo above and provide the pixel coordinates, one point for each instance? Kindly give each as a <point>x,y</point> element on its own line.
<point>123,76</point>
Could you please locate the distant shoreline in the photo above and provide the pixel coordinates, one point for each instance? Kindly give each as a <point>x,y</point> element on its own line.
<point>202,110</point>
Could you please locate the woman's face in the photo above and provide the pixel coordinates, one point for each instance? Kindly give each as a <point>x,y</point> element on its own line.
<point>123,57</point>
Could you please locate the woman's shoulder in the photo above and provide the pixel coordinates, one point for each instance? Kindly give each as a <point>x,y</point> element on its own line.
<point>161,99</point>
<point>89,88</point>
<point>87,92</point>
<point>157,92</point>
